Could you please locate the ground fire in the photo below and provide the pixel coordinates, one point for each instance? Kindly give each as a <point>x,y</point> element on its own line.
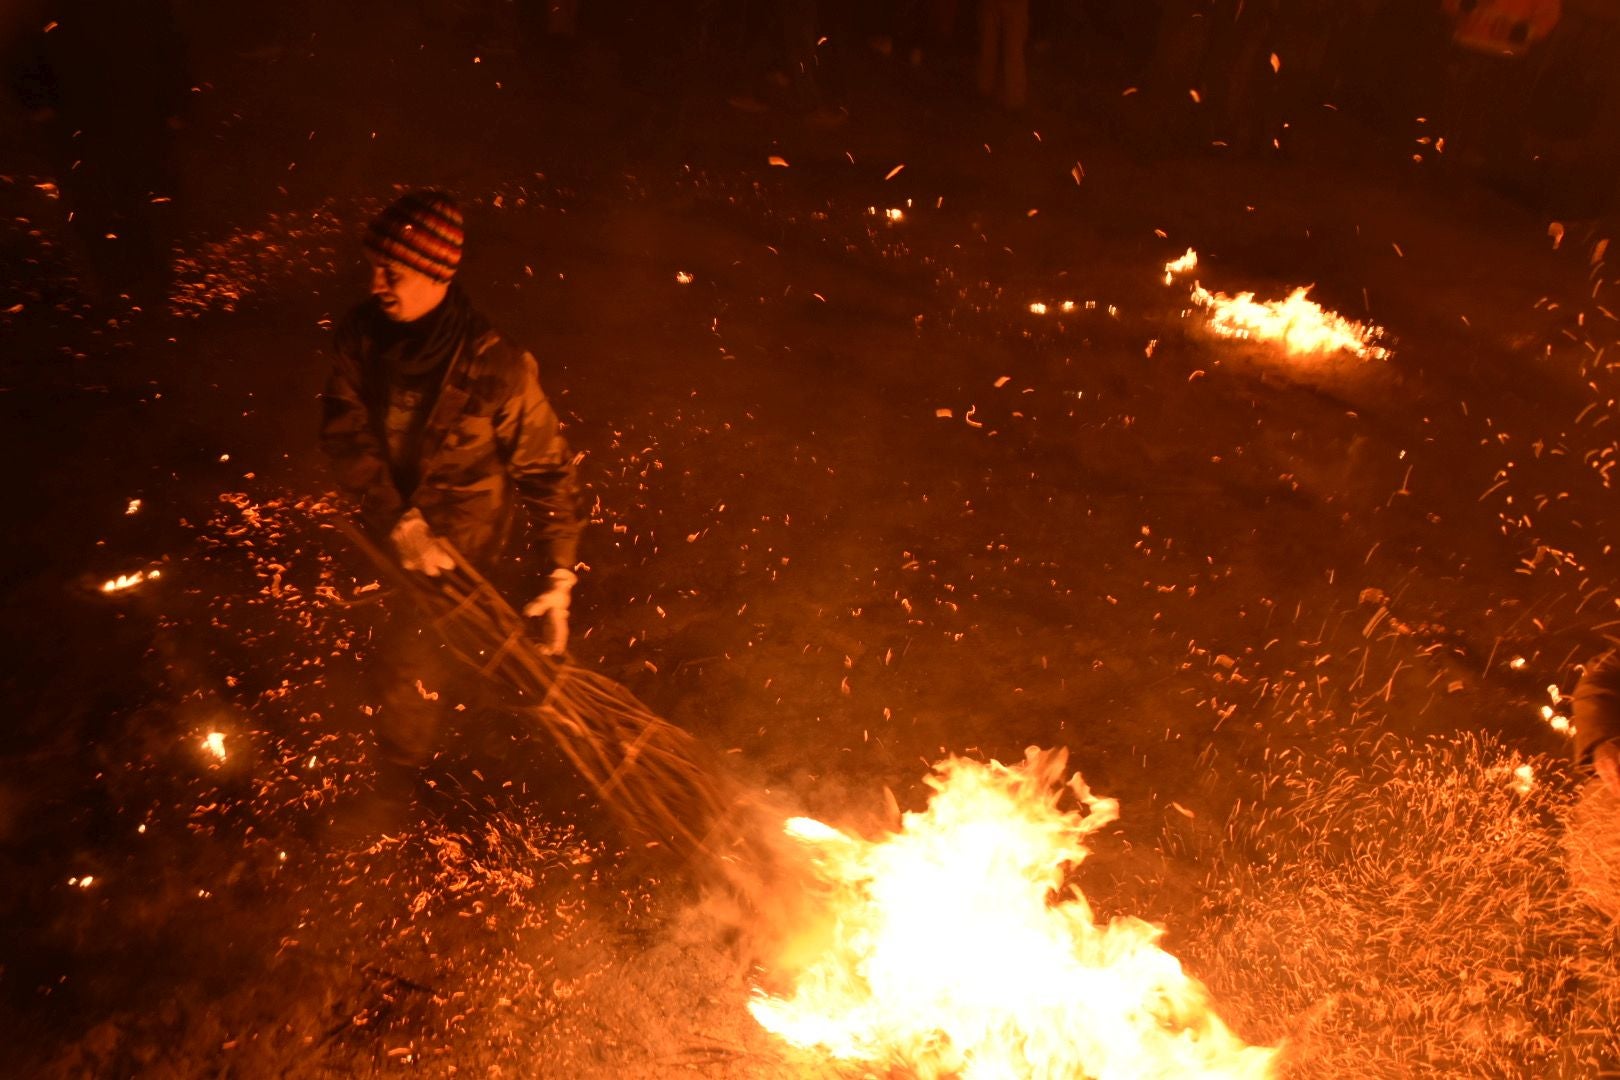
<point>1300,325</point>
<point>959,946</point>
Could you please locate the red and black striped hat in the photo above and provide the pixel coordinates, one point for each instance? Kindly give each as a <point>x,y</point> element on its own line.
<point>422,230</point>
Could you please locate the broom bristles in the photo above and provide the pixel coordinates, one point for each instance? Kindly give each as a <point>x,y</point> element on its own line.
<point>652,775</point>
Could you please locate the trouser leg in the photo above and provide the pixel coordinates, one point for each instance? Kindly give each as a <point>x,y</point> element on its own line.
<point>989,47</point>
<point>798,25</point>
<point>1014,41</point>
<point>411,672</point>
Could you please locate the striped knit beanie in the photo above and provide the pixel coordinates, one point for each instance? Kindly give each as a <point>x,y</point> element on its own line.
<point>422,230</point>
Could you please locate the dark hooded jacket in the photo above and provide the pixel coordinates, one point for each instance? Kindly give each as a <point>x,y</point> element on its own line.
<point>482,439</point>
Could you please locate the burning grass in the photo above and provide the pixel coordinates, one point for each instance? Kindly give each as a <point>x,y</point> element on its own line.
<point>1300,325</point>
<point>1411,902</point>
<point>954,946</point>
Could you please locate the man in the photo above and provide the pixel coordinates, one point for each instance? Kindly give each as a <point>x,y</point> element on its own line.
<point>1596,719</point>
<point>437,425</point>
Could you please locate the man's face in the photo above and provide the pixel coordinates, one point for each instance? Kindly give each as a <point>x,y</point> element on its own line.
<point>404,294</point>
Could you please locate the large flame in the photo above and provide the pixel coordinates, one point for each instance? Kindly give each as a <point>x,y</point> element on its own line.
<point>1300,325</point>
<point>953,947</point>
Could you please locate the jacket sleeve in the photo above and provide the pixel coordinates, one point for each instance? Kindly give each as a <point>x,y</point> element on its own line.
<point>350,441</point>
<point>1597,705</point>
<point>540,465</point>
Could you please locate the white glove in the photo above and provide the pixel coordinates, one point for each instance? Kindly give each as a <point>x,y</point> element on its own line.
<point>419,549</point>
<point>552,606</point>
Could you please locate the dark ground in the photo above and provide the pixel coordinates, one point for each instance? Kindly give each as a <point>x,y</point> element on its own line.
<point>854,508</point>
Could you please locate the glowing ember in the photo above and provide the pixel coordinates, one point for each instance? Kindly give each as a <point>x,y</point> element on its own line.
<point>1037,308</point>
<point>1187,262</point>
<point>1553,714</point>
<point>683,277</point>
<point>129,581</point>
<point>953,947</point>
<point>214,744</point>
<point>1524,778</point>
<point>1300,325</point>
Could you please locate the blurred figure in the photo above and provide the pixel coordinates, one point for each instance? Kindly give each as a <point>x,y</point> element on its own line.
<point>1002,73</point>
<point>1502,27</point>
<point>1212,79</point>
<point>546,27</point>
<point>105,85</point>
<point>783,39</point>
<point>1596,719</point>
<point>562,18</point>
<point>1489,79</point>
<point>1238,79</point>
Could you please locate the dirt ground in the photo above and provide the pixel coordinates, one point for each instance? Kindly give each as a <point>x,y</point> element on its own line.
<point>854,507</point>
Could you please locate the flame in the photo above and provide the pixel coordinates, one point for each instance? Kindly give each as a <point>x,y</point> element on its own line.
<point>1524,779</point>
<point>214,743</point>
<point>1301,325</point>
<point>1187,262</point>
<point>129,581</point>
<point>953,947</point>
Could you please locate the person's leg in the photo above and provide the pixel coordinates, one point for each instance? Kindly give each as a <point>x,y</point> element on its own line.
<point>1014,44</point>
<point>989,46</point>
<point>941,33</point>
<point>799,32</point>
<point>409,673</point>
<point>562,17</point>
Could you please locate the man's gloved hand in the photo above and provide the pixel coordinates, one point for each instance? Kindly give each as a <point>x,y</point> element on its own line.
<point>418,548</point>
<point>552,606</point>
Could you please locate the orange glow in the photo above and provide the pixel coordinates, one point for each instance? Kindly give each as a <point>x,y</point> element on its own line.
<point>129,581</point>
<point>1300,325</point>
<point>1187,262</point>
<point>1524,778</point>
<point>954,946</point>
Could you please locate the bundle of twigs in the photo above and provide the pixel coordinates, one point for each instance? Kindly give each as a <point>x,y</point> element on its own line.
<point>652,775</point>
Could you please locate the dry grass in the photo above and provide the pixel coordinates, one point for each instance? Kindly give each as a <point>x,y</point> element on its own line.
<point>1405,909</point>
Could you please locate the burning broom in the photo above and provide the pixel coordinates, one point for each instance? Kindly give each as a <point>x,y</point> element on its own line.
<point>653,776</point>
